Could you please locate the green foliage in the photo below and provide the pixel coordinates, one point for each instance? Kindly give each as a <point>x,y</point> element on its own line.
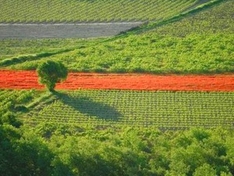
<point>152,53</point>
<point>10,118</point>
<point>50,73</point>
<point>20,156</point>
<point>211,53</point>
<point>205,170</point>
<point>133,151</point>
<point>12,103</point>
<point>21,59</point>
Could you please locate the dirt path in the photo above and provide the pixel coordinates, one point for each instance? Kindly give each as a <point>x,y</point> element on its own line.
<point>29,80</point>
<point>78,30</point>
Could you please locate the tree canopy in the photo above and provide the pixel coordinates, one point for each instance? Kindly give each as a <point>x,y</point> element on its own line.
<point>50,73</point>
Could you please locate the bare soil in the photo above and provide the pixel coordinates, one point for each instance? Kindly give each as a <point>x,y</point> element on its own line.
<point>79,30</point>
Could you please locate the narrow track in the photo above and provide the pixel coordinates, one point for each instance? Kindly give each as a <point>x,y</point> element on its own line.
<point>10,79</point>
<point>60,30</point>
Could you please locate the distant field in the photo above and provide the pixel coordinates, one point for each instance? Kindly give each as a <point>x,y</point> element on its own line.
<point>30,11</point>
<point>160,109</point>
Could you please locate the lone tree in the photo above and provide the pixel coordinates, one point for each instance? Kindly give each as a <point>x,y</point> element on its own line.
<point>50,73</point>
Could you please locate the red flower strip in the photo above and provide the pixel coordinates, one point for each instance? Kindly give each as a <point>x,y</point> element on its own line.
<point>10,79</point>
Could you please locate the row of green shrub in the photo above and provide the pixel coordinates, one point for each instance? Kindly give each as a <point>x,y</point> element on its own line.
<point>51,149</point>
<point>152,53</point>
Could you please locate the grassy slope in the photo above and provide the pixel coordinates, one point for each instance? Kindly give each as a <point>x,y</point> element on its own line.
<point>15,48</point>
<point>199,43</point>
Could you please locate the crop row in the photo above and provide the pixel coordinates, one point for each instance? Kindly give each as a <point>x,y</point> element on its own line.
<point>104,10</point>
<point>139,108</point>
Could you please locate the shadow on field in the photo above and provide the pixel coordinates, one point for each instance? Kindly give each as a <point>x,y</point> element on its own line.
<point>88,106</point>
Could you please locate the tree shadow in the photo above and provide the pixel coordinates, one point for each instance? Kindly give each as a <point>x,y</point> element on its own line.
<point>87,106</point>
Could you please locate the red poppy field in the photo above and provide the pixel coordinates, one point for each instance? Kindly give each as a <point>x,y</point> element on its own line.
<point>29,80</point>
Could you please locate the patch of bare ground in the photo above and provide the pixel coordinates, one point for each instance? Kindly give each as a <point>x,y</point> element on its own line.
<point>64,30</point>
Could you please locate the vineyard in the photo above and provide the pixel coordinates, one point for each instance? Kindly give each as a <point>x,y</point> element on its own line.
<point>12,48</point>
<point>93,108</point>
<point>154,100</point>
<point>71,11</point>
<point>159,109</point>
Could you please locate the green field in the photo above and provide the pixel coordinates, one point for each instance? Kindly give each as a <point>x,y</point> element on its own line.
<point>217,19</point>
<point>89,11</point>
<point>71,133</point>
<point>116,108</point>
<point>197,43</point>
<point>121,132</point>
<point>136,108</point>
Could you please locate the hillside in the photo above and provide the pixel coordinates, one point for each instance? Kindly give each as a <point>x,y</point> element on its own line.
<point>197,43</point>
<point>120,132</point>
